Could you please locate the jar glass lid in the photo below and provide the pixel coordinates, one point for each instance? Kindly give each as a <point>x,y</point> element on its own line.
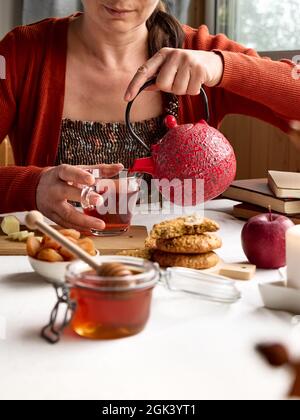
<point>210,287</point>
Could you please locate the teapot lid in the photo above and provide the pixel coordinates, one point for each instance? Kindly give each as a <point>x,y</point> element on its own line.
<point>170,122</point>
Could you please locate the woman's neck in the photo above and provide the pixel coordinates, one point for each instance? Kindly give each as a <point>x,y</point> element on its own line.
<point>112,50</point>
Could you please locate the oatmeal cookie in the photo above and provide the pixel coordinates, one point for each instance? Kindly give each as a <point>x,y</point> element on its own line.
<point>150,243</point>
<point>190,244</point>
<point>189,225</point>
<point>196,262</point>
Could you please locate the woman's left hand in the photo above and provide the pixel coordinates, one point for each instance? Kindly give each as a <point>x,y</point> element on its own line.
<point>181,72</point>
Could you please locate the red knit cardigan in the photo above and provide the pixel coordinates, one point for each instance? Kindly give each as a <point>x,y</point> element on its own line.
<point>32,98</point>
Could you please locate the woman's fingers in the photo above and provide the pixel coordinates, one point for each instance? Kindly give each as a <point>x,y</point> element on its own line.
<point>166,77</point>
<point>111,170</point>
<point>56,218</point>
<point>145,73</point>
<point>192,69</point>
<point>179,76</point>
<point>104,170</point>
<point>68,192</point>
<point>57,186</point>
<point>78,175</point>
<point>75,175</point>
<point>71,193</point>
<point>196,82</point>
<point>67,216</point>
<point>181,82</point>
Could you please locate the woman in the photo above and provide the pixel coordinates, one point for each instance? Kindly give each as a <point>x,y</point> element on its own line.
<point>63,101</point>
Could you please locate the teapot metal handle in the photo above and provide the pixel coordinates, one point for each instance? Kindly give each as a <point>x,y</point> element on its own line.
<point>129,107</point>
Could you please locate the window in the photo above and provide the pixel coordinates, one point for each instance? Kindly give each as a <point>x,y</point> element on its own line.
<point>266,25</point>
<point>34,10</point>
<point>180,8</point>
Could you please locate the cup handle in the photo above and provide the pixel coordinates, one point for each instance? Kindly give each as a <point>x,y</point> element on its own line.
<point>85,198</point>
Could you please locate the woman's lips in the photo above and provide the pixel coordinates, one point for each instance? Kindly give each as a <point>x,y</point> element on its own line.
<point>117,12</point>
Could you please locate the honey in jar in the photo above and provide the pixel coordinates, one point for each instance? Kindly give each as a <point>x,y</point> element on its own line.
<point>110,306</point>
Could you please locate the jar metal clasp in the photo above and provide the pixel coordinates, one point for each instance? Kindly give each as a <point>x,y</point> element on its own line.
<point>53,331</point>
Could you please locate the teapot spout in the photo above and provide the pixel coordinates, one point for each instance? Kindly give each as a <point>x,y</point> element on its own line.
<point>144,165</point>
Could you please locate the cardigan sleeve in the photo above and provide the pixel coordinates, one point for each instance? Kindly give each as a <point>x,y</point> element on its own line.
<point>18,188</point>
<point>269,88</point>
<point>17,184</point>
<point>8,85</point>
<point>251,85</point>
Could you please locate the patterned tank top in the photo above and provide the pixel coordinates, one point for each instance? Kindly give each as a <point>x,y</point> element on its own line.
<point>92,143</point>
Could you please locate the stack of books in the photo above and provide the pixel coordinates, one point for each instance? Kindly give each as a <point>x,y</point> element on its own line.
<point>280,191</point>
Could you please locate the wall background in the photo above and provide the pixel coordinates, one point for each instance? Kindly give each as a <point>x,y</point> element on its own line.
<point>10,15</point>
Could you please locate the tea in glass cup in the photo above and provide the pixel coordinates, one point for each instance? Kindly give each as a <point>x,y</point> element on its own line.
<point>119,198</point>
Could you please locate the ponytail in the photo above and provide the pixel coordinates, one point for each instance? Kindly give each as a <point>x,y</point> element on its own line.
<point>164,30</point>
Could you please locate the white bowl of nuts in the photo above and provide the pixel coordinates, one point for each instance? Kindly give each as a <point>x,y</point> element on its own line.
<point>50,260</point>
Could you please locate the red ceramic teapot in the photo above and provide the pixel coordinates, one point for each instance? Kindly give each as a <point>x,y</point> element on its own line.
<point>192,158</point>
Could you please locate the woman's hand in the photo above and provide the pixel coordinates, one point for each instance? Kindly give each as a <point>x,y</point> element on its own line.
<point>181,72</point>
<point>63,183</point>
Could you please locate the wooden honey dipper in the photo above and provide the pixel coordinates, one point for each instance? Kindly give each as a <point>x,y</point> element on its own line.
<point>121,274</point>
<point>35,220</point>
<point>114,270</point>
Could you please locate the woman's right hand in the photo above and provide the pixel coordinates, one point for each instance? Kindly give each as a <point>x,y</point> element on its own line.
<point>63,183</point>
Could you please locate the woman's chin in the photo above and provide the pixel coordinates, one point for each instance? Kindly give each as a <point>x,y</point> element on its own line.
<point>116,26</point>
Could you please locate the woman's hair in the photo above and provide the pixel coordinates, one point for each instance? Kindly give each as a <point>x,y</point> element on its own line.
<point>164,30</point>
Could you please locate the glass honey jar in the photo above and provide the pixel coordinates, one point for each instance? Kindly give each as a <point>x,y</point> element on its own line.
<point>112,306</point>
<point>104,307</point>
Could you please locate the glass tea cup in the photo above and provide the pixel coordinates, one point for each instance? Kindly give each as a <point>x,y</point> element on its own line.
<point>119,198</point>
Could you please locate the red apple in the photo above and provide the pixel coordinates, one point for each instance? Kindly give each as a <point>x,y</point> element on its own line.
<point>264,240</point>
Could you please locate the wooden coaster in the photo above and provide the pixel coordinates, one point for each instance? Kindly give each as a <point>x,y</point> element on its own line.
<point>238,271</point>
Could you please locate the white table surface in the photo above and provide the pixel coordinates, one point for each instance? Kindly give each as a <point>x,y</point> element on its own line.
<point>189,350</point>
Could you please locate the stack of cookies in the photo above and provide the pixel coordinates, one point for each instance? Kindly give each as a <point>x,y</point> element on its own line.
<point>187,242</point>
